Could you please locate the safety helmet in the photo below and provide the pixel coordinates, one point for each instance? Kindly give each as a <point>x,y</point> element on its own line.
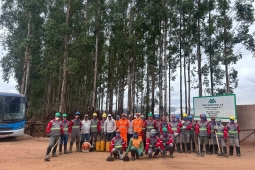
<point>85,147</point>
<point>164,118</point>
<point>190,117</point>
<point>149,114</point>
<point>142,116</point>
<point>135,133</point>
<point>57,114</point>
<point>94,114</point>
<point>104,115</point>
<point>77,113</point>
<point>85,115</point>
<point>218,120</point>
<point>156,115</point>
<point>117,116</point>
<point>173,116</point>
<point>123,115</point>
<point>212,118</point>
<point>130,115</point>
<point>177,117</point>
<point>232,118</point>
<point>153,131</point>
<point>202,116</point>
<point>185,115</point>
<point>109,115</point>
<point>138,114</point>
<point>117,131</point>
<point>164,129</point>
<point>64,115</point>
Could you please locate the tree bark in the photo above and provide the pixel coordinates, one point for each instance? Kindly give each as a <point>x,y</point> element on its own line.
<point>199,60</point>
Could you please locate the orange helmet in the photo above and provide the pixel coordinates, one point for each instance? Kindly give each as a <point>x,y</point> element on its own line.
<point>86,147</point>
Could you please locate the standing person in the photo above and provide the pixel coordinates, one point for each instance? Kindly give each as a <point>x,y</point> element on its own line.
<point>153,144</point>
<point>85,130</point>
<point>185,133</point>
<point>202,129</point>
<point>136,146</point>
<point>164,124</point>
<point>75,132</point>
<point>233,130</point>
<point>122,126</point>
<point>157,124</point>
<point>138,125</point>
<point>175,131</point>
<point>94,129</point>
<point>54,131</point>
<point>118,145</point>
<point>117,119</point>
<point>192,134</point>
<point>167,142</point>
<point>109,127</point>
<point>213,143</point>
<point>130,128</point>
<point>143,130</point>
<point>64,138</point>
<point>102,130</point>
<point>149,125</point>
<point>222,137</point>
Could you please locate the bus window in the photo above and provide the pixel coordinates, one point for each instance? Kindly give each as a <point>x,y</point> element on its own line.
<point>14,108</point>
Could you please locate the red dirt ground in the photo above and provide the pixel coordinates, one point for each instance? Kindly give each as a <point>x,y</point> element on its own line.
<point>26,152</point>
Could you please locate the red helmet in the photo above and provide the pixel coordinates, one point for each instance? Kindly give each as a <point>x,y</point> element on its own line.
<point>123,115</point>
<point>117,131</point>
<point>173,116</point>
<point>164,118</point>
<point>212,118</point>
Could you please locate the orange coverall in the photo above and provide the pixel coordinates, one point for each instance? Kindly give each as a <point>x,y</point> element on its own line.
<point>138,127</point>
<point>122,126</point>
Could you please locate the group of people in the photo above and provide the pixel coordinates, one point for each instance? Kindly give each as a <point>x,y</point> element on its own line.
<point>132,134</point>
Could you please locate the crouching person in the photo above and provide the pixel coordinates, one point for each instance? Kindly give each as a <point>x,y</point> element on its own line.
<point>117,146</point>
<point>167,142</point>
<point>136,147</point>
<point>153,144</point>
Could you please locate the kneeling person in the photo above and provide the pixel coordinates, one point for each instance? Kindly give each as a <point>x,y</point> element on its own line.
<point>153,144</point>
<point>167,142</point>
<point>136,146</point>
<point>117,145</point>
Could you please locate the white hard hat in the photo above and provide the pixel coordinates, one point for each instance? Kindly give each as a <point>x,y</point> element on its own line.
<point>109,115</point>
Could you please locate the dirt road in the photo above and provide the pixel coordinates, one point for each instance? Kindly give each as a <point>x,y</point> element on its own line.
<point>25,153</point>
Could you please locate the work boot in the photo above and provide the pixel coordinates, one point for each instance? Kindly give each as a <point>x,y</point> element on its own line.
<point>194,147</point>
<point>221,153</point>
<point>211,149</point>
<point>183,147</point>
<point>171,152</point>
<point>65,149</point>
<point>188,147</point>
<point>47,158</point>
<point>178,148</point>
<point>201,149</point>
<point>150,155</point>
<point>231,149</point>
<point>133,155</point>
<point>216,149</point>
<point>70,147</point>
<point>238,151</point>
<point>207,149</point>
<point>48,150</point>
<point>225,151</point>
<point>137,156</point>
<point>174,147</point>
<point>54,154</point>
<point>60,149</point>
<point>115,156</point>
<point>78,147</point>
<point>156,153</point>
<point>54,151</point>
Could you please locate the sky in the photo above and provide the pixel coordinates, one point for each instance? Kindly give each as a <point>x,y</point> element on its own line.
<point>244,92</point>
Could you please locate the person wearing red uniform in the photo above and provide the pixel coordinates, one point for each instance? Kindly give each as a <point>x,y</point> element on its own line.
<point>153,144</point>
<point>75,132</point>
<point>149,125</point>
<point>54,131</point>
<point>118,145</point>
<point>175,132</point>
<point>164,124</point>
<point>203,131</point>
<point>167,142</point>
<point>185,133</point>
<point>157,124</point>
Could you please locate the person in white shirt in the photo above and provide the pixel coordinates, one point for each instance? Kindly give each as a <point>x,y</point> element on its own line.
<point>130,128</point>
<point>85,130</point>
<point>109,127</point>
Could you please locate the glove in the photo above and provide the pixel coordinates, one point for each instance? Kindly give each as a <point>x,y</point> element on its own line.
<point>225,140</point>
<point>209,136</point>
<point>48,135</point>
<point>184,127</point>
<point>146,152</point>
<point>175,134</point>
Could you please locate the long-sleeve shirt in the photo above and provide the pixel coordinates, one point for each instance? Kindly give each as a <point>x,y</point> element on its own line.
<point>85,126</point>
<point>109,126</point>
<point>118,142</point>
<point>152,142</point>
<point>55,128</point>
<point>137,143</point>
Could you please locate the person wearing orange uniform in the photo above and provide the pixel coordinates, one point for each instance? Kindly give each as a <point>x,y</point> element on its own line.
<point>122,126</point>
<point>138,126</point>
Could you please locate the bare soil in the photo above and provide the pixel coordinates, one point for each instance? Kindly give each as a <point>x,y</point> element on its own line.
<point>28,153</point>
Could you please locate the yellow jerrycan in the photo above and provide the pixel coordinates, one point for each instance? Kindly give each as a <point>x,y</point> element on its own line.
<point>107,148</point>
<point>98,146</point>
<point>102,146</point>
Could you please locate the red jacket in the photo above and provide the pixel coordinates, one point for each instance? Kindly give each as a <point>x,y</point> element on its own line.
<point>113,144</point>
<point>167,126</point>
<point>158,143</point>
<point>171,131</point>
<point>170,140</point>
<point>71,126</point>
<point>154,122</point>
<point>196,127</point>
<point>226,130</point>
<point>50,125</point>
<point>190,126</point>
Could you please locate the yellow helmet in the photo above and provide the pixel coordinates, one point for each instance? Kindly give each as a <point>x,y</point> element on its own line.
<point>104,115</point>
<point>185,115</point>
<point>232,118</point>
<point>94,114</point>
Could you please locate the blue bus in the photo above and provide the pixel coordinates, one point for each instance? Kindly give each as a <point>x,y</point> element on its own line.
<point>12,114</point>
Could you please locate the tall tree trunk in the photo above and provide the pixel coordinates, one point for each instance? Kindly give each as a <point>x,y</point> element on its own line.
<point>160,73</point>
<point>180,55</point>
<point>210,51</point>
<point>199,60</point>
<point>225,54</point>
<point>62,107</point>
<point>165,68</point>
<point>185,47</point>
